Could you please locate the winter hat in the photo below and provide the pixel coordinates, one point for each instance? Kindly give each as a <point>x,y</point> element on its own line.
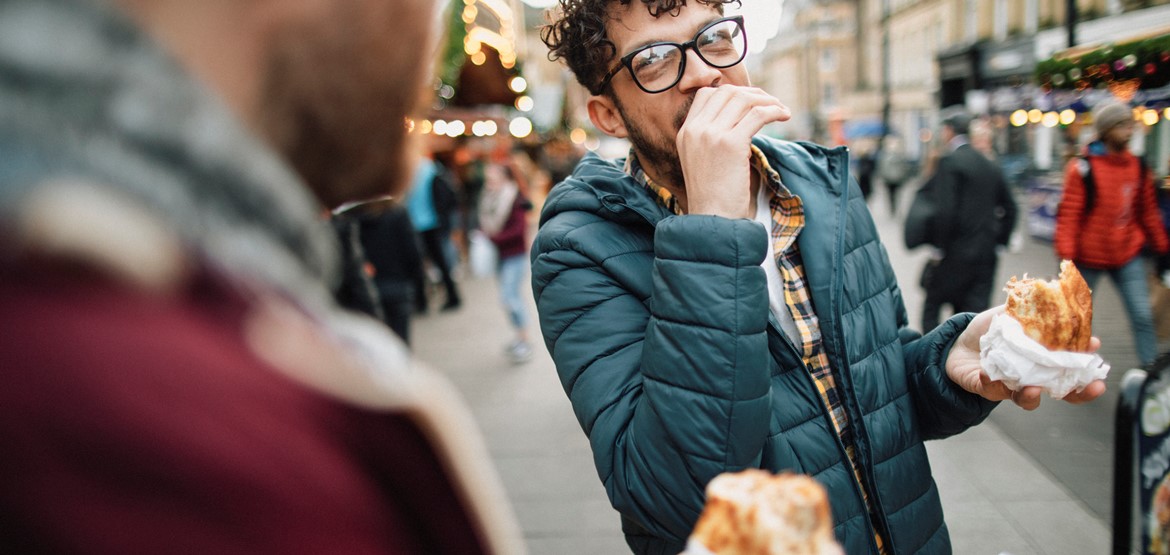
<point>1110,115</point>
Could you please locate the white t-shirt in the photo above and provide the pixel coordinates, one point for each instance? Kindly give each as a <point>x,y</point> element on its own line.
<point>775,282</point>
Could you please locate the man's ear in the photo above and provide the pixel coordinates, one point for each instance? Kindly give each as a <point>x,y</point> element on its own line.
<point>605,116</point>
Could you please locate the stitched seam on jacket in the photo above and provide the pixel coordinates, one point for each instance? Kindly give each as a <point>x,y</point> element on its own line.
<point>795,427</point>
<point>585,309</point>
<point>876,351</point>
<point>895,454</point>
<point>736,358</point>
<point>861,303</point>
<point>695,325</point>
<point>589,363</point>
<point>909,504</point>
<point>699,392</point>
<point>602,410</point>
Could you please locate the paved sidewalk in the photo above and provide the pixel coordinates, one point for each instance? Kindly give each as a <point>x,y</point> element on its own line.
<point>997,499</point>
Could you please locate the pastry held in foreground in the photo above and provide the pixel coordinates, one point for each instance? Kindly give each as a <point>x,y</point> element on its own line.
<point>756,512</point>
<point>1058,314</point>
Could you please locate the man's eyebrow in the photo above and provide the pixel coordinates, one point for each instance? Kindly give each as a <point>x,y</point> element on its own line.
<point>648,42</point>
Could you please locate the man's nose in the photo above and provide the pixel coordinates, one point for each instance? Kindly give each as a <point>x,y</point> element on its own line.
<point>697,73</point>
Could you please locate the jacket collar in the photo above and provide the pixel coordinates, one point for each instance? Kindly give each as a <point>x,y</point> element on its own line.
<point>601,185</point>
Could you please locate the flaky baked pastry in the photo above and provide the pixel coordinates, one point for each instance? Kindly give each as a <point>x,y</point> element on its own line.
<point>1058,313</point>
<point>759,513</point>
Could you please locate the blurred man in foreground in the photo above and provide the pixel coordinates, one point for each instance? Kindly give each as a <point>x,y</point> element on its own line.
<point>177,377</point>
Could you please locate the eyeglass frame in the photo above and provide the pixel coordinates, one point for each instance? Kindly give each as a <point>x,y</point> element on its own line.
<point>627,60</point>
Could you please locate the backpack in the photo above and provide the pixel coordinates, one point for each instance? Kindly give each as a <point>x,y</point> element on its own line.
<point>918,228</point>
<point>1085,168</point>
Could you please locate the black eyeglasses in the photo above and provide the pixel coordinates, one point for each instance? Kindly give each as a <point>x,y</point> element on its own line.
<point>660,66</point>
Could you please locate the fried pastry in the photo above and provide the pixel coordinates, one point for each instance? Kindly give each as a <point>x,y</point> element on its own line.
<point>1058,314</point>
<point>759,513</point>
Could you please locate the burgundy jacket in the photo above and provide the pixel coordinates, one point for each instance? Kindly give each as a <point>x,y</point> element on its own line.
<point>175,376</point>
<point>133,422</point>
<point>512,240</point>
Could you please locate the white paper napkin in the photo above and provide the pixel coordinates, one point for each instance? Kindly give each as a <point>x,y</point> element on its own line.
<point>695,547</point>
<point>1009,355</point>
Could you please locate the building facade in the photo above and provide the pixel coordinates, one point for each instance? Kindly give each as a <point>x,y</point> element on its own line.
<point>899,62</point>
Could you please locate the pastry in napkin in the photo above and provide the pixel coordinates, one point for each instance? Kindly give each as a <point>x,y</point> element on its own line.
<point>1042,338</point>
<point>1057,314</point>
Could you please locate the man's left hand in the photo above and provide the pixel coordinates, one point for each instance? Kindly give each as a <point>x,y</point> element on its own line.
<point>964,369</point>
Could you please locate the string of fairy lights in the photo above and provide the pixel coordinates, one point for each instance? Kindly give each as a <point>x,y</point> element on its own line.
<point>1138,68</point>
<point>481,24</point>
<point>1068,116</point>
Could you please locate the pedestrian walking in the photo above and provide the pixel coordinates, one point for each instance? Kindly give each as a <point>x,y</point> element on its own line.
<point>356,290</point>
<point>720,300</point>
<point>430,202</point>
<point>177,375</point>
<point>866,167</point>
<point>894,168</point>
<point>974,216</point>
<point>1108,214</point>
<point>503,212</point>
<point>391,247</point>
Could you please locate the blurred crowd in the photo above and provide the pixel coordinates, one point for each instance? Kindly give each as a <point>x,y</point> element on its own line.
<point>1125,239</point>
<point>467,211</point>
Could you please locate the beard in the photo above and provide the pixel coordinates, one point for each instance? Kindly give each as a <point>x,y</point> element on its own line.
<point>659,152</point>
<point>337,98</point>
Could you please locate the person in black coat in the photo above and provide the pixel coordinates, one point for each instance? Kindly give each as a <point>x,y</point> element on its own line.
<point>391,247</point>
<point>356,290</point>
<point>866,165</point>
<point>975,215</point>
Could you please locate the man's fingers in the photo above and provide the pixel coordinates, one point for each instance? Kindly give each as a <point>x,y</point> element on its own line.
<point>1094,344</point>
<point>1089,393</point>
<point>725,107</point>
<point>1027,398</point>
<point>759,116</point>
<point>993,390</point>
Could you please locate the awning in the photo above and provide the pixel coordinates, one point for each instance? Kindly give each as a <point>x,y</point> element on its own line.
<point>863,128</point>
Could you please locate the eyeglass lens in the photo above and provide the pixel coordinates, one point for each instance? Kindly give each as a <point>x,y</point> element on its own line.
<point>658,67</point>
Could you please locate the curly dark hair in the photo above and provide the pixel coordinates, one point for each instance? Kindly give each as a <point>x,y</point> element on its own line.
<point>577,34</point>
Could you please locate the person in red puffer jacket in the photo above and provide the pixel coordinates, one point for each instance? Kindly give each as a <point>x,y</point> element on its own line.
<point>1108,214</point>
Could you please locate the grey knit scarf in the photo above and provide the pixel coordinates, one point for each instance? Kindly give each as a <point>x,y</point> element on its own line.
<point>84,94</point>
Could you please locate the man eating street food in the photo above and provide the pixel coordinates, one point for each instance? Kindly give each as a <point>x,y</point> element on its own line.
<point>719,300</point>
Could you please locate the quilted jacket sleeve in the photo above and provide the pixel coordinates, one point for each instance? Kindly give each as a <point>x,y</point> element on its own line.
<point>944,409</point>
<point>663,355</point>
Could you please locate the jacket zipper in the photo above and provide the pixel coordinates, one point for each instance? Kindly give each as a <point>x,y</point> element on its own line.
<point>860,434</point>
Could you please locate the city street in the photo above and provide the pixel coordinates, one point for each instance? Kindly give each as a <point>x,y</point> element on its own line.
<point>1022,483</point>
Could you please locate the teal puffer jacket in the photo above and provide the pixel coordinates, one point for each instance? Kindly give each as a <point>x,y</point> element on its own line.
<point>661,333</point>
